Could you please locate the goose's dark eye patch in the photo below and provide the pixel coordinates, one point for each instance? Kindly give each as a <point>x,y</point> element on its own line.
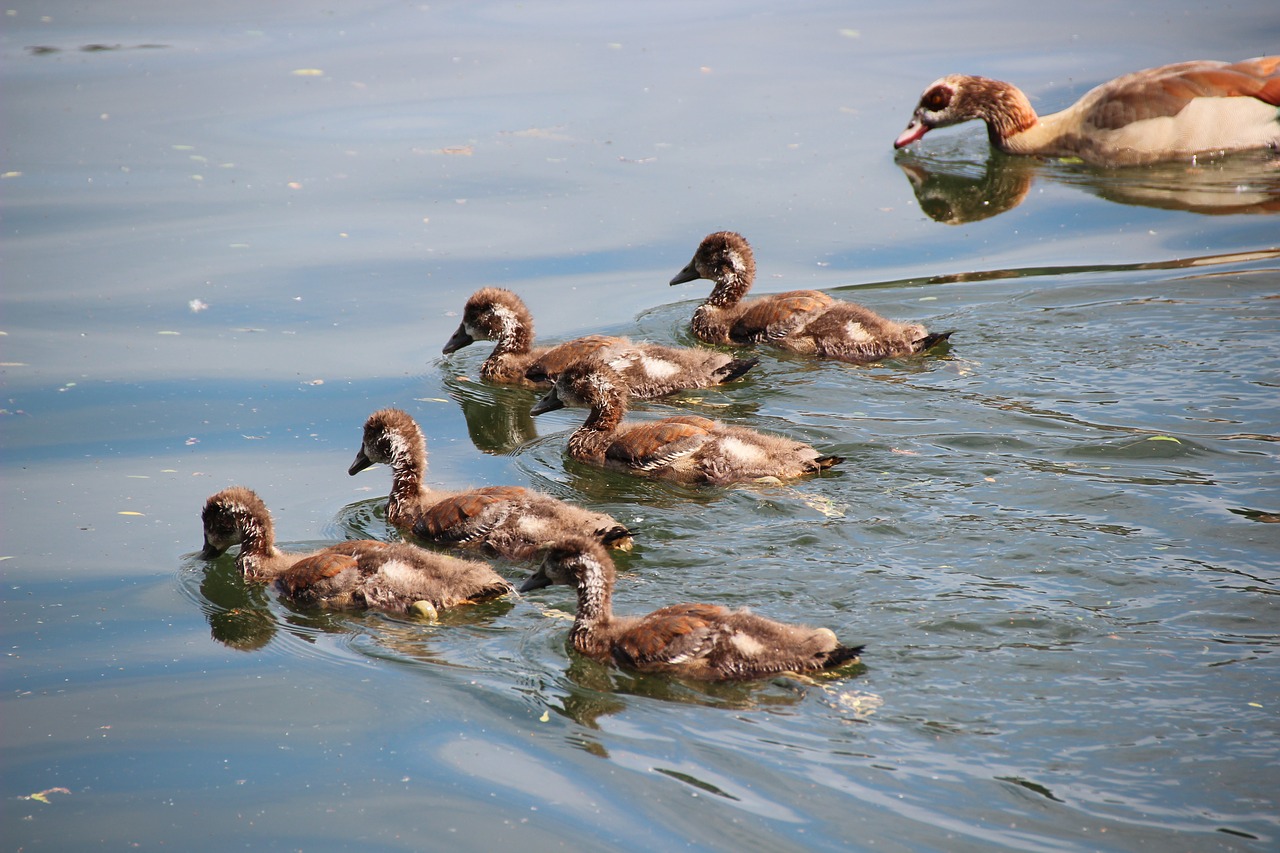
<point>936,98</point>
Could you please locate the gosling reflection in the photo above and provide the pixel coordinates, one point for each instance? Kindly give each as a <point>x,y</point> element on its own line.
<point>238,613</point>
<point>956,191</point>
<point>601,690</point>
<point>498,419</point>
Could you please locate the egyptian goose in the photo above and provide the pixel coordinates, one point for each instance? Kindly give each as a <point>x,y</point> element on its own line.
<point>357,573</point>
<point>650,370</point>
<point>507,521</point>
<point>688,449</point>
<point>1180,111</point>
<point>701,641</point>
<point>802,321</point>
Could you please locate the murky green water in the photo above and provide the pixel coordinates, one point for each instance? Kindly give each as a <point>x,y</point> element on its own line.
<point>239,230</point>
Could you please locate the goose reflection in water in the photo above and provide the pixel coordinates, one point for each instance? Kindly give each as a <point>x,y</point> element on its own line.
<point>955,191</point>
<point>498,419</point>
<point>240,613</point>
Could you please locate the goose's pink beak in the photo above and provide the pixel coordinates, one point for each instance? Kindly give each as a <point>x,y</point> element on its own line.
<point>914,131</point>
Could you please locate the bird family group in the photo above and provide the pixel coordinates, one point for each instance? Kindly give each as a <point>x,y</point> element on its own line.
<point>1184,111</point>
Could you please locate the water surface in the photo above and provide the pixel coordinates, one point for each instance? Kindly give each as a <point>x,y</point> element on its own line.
<point>231,232</point>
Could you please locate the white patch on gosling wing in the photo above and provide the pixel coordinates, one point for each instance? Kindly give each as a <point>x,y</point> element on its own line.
<point>740,449</point>
<point>399,572</point>
<point>534,527</point>
<point>748,645</point>
<point>856,333</point>
<point>658,368</point>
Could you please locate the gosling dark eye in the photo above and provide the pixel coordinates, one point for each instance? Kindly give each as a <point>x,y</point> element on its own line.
<point>937,98</point>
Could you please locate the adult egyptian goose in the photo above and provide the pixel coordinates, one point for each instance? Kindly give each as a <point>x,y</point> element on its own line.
<point>359,573</point>
<point>700,641</point>
<point>802,321</point>
<point>650,370</point>
<point>1181,111</point>
<point>687,449</point>
<point>508,521</point>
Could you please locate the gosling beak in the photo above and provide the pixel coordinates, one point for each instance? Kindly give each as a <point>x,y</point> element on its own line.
<point>360,463</point>
<point>537,580</point>
<point>210,551</point>
<point>549,403</point>
<point>689,273</point>
<point>459,340</point>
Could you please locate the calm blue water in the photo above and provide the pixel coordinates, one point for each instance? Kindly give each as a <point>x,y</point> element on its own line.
<point>233,231</point>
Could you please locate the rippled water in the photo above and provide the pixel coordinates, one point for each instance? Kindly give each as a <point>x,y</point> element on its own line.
<point>232,233</point>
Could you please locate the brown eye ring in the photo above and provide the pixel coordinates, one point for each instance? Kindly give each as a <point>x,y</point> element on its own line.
<point>937,98</point>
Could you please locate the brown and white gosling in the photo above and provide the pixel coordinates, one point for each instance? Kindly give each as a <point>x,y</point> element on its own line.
<point>507,521</point>
<point>650,370</point>
<point>359,573</point>
<point>700,641</point>
<point>809,322</point>
<point>687,448</point>
<point>1174,112</point>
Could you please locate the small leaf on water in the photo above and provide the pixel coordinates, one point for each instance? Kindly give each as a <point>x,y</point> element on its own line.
<point>43,796</point>
<point>1163,438</point>
<point>826,506</point>
<point>860,703</point>
<point>307,72</point>
<point>128,512</point>
<point>545,716</point>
